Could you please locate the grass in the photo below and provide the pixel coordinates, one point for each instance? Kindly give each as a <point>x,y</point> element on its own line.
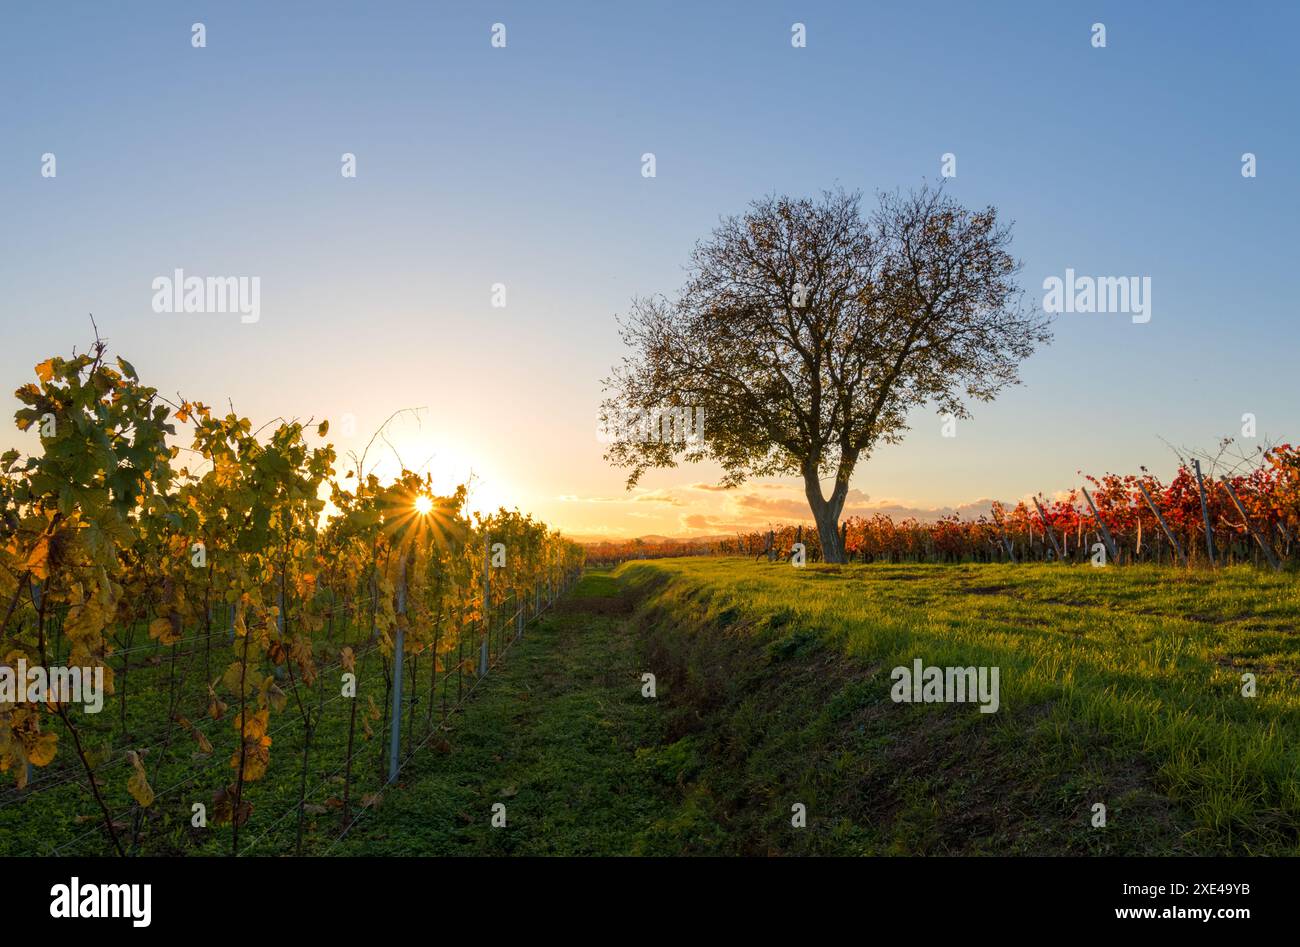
<point>553,736</point>
<point>1118,686</point>
<point>57,814</point>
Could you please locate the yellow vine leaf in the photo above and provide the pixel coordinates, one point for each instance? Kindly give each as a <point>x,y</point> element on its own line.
<point>41,750</point>
<point>196,733</point>
<point>216,706</point>
<point>232,676</point>
<point>38,560</point>
<point>164,630</point>
<point>256,745</point>
<point>138,784</point>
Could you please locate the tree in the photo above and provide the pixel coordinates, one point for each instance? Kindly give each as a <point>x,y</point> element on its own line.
<point>805,334</point>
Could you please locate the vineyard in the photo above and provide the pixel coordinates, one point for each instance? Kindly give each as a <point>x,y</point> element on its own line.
<point>280,634</point>
<point>1252,517</point>
<point>581,440</point>
<point>275,641</point>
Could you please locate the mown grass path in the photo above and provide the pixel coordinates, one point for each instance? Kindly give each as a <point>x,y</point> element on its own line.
<point>552,734</point>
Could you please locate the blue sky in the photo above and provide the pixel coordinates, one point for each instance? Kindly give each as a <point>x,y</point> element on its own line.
<point>522,166</point>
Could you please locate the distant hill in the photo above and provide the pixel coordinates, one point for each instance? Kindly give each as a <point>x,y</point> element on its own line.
<point>650,540</point>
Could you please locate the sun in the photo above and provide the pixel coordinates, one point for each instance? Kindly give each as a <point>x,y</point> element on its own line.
<point>424,504</point>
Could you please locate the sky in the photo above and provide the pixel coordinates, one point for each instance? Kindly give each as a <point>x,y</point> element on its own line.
<point>521,165</point>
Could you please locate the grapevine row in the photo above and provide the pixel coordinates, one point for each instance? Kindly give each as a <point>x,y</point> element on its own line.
<point>1253,517</point>
<point>208,583</point>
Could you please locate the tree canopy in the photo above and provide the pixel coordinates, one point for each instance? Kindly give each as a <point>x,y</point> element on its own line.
<point>807,331</point>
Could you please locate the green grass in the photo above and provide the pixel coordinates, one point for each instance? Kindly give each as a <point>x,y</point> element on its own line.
<point>553,735</point>
<point>1118,686</point>
<point>59,815</point>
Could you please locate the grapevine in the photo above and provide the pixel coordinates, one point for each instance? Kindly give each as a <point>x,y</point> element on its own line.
<point>162,541</point>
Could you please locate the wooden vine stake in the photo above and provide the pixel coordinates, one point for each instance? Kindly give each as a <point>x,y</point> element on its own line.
<point>1205,512</point>
<point>1163,525</point>
<point>1268,550</point>
<point>1105,533</point>
<point>1002,534</point>
<point>1047,528</point>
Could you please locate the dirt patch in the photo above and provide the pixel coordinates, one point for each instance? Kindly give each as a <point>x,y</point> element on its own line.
<point>987,589</point>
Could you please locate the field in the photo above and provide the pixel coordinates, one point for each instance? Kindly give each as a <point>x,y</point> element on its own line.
<point>1119,687</point>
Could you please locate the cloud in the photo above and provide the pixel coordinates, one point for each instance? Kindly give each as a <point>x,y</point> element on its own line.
<point>658,496</point>
<point>706,509</point>
<point>779,508</point>
<point>924,514</point>
<point>699,522</point>
<point>757,505</point>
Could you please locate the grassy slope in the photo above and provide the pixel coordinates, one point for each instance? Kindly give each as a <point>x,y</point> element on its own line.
<point>1118,686</point>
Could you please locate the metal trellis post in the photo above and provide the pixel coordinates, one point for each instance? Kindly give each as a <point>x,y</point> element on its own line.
<point>487,605</point>
<point>399,644</point>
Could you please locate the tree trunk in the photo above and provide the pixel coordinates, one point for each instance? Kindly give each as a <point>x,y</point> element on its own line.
<point>827,514</point>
